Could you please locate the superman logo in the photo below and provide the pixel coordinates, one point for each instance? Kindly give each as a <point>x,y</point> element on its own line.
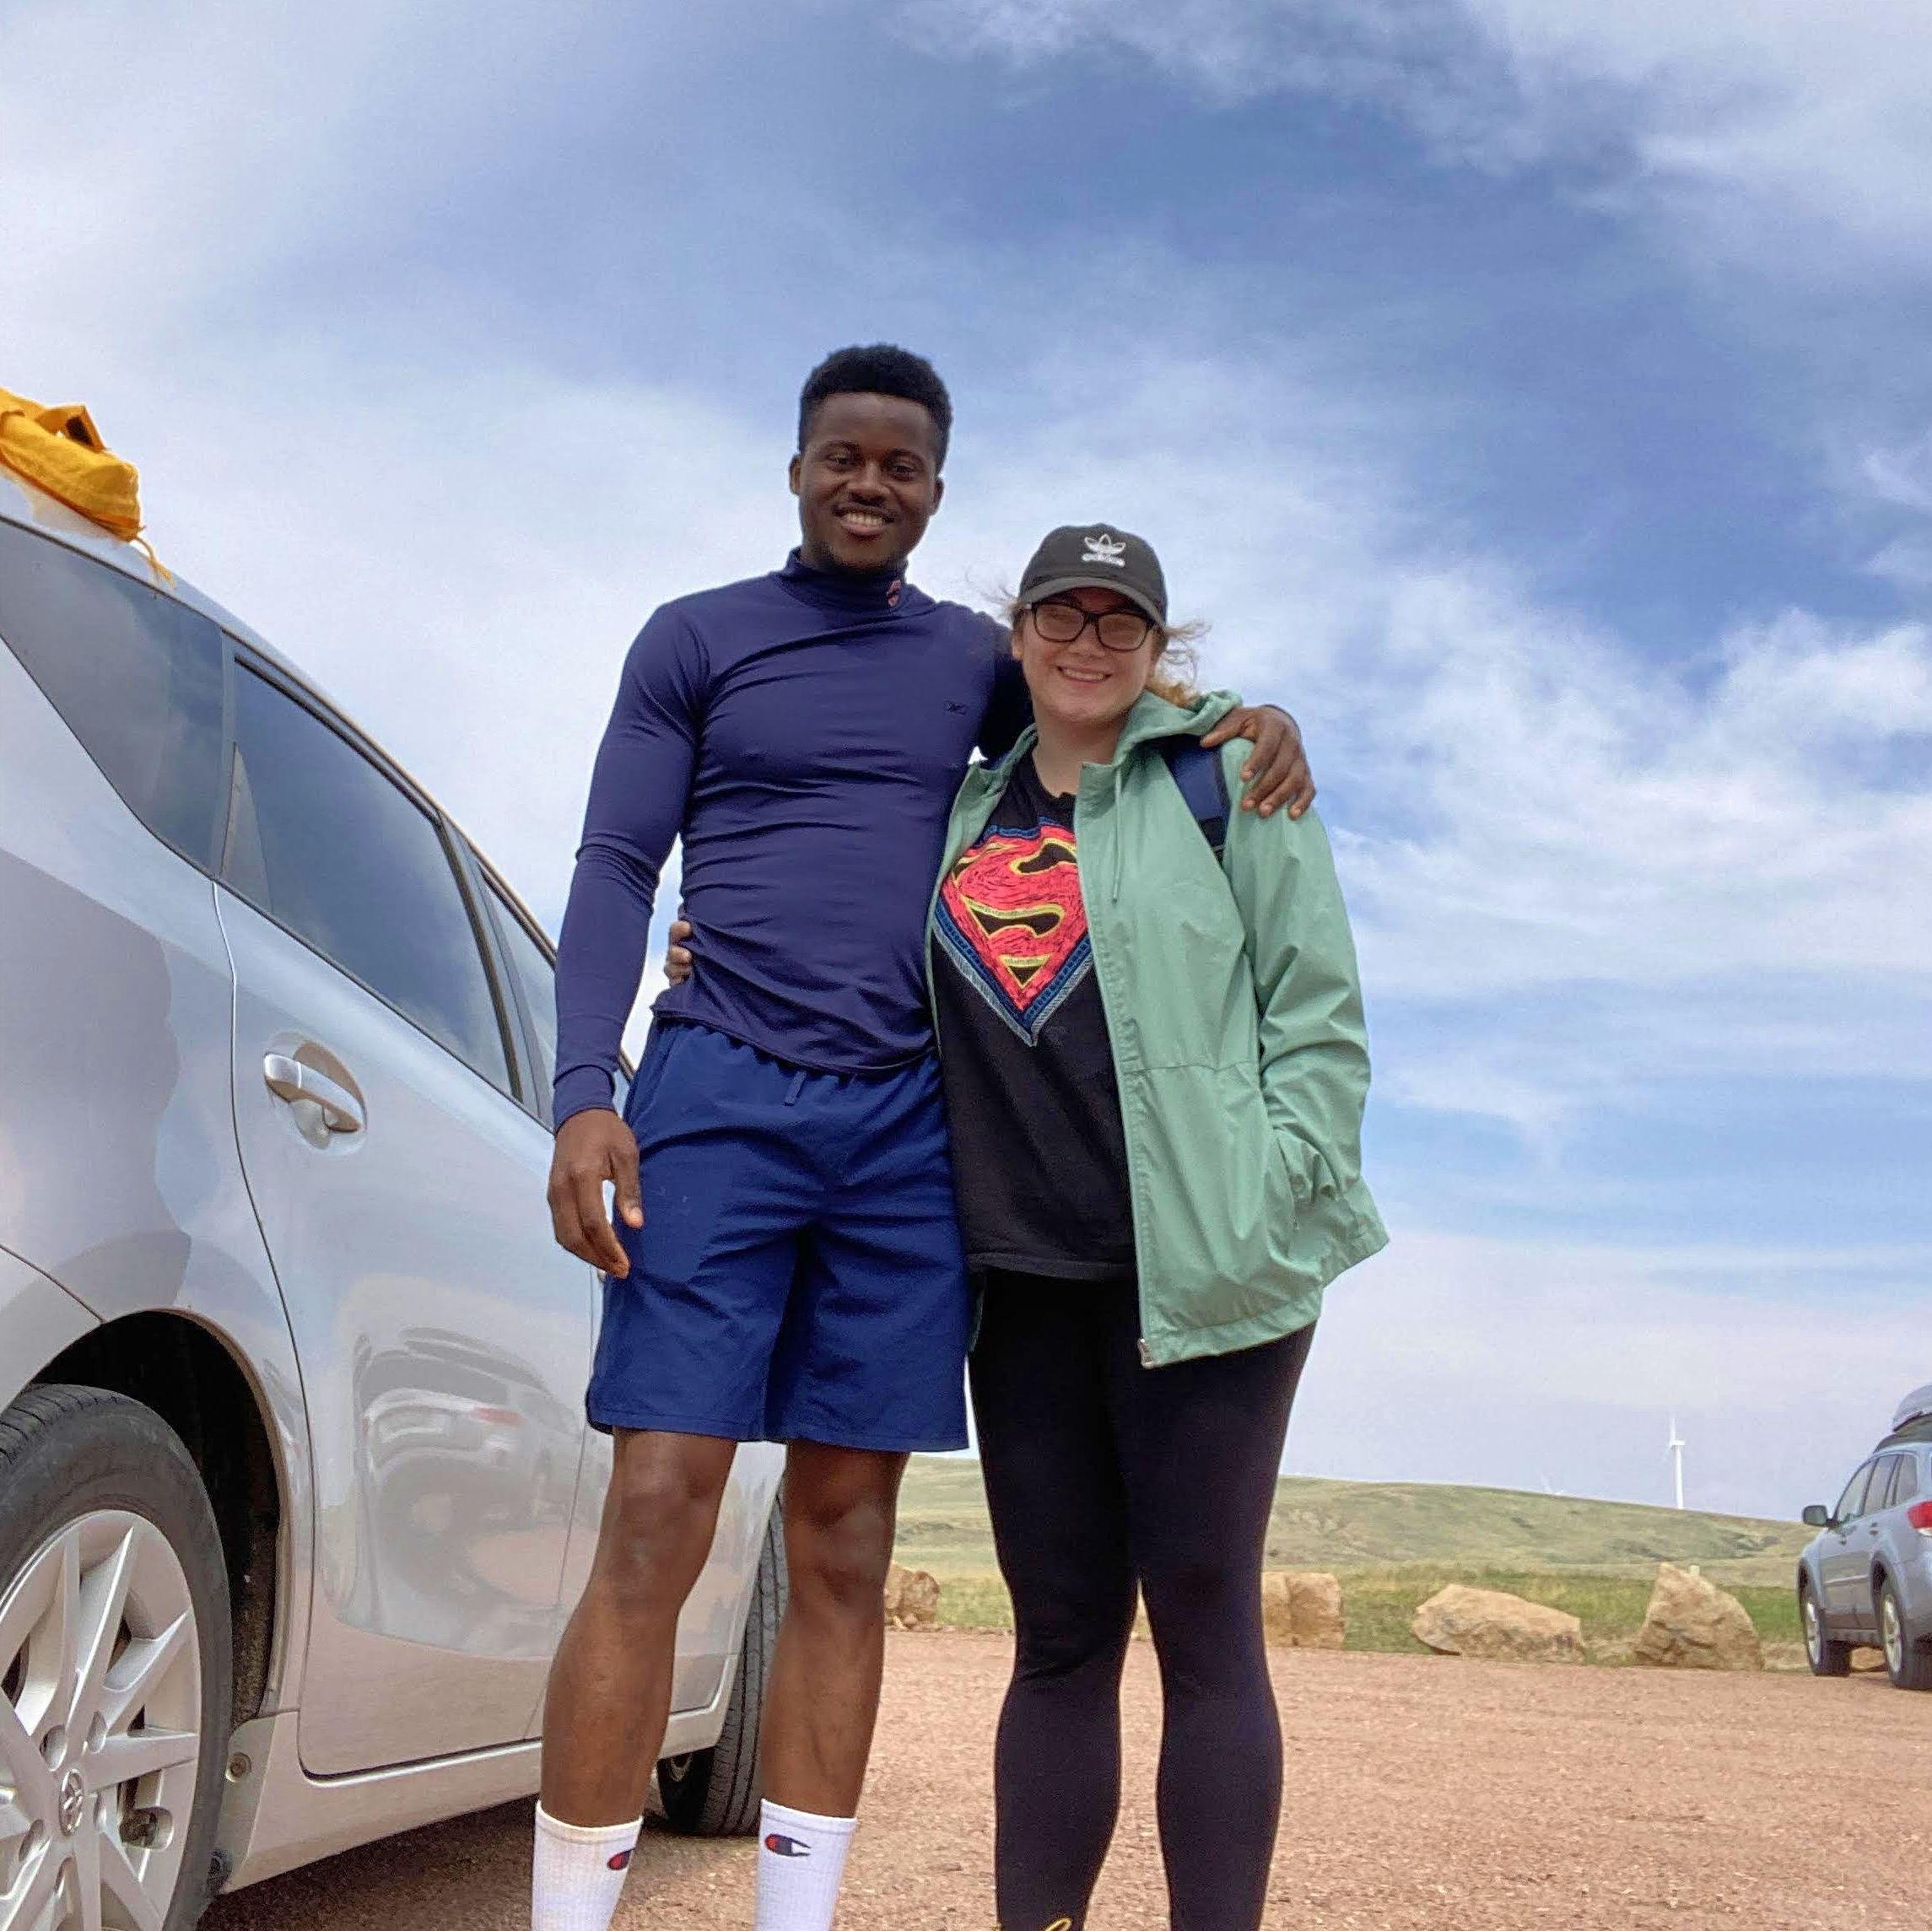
<point>1011,919</point>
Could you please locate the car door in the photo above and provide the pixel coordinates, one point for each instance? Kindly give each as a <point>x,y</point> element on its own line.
<point>708,1630</point>
<point>444,1338</point>
<point>1843,1564</point>
<point>1882,1498</point>
<point>1901,1544</point>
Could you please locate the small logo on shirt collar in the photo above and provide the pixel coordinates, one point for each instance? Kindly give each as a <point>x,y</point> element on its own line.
<point>1102,549</point>
<point>893,593</point>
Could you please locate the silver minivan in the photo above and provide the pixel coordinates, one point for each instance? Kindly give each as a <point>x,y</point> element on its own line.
<point>295,1487</point>
<point>1866,1576</point>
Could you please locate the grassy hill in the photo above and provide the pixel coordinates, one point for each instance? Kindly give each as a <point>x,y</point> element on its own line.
<point>1394,1543</point>
<point>1350,1525</point>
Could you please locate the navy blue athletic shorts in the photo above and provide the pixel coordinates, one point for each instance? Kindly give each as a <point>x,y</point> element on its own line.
<point>799,1276</point>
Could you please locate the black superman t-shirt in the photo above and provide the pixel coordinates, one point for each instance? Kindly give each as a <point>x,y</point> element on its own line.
<point>1038,1155</point>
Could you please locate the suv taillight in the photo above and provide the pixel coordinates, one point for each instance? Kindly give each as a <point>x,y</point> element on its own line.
<point>1919,1515</point>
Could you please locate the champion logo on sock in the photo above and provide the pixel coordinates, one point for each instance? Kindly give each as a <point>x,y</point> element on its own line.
<point>784,1846</point>
<point>620,1862</point>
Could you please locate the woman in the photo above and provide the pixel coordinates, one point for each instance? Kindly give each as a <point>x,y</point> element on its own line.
<point>1154,1067</point>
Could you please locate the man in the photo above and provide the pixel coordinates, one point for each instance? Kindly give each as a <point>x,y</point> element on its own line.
<point>799,1276</point>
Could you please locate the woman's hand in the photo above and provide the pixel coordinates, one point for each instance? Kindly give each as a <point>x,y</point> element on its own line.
<point>678,961</point>
<point>1276,774</point>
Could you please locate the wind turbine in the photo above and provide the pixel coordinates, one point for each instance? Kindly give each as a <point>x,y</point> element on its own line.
<point>1675,1450</point>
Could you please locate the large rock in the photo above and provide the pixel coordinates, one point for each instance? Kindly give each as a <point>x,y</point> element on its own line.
<point>1459,1620</point>
<point>1692,1624</point>
<point>912,1599</point>
<point>1302,1611</point>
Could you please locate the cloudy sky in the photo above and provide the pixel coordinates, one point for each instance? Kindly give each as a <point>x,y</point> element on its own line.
<point>1533,397</point>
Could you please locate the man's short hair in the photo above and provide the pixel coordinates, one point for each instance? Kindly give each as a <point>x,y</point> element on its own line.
<point>882,368</point>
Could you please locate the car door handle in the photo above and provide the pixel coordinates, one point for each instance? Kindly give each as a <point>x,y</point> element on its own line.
<point>290,1079</point>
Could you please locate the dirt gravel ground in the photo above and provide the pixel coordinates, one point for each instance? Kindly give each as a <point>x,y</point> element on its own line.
<point>1421,1792</point>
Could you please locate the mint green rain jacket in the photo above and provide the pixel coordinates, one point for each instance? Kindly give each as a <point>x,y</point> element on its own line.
<point>1235,1014</point>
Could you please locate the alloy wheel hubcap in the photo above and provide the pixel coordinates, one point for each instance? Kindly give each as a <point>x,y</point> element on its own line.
<point>100,1692</point>
<point>1812,1632</point>
<point>1894,1635</point>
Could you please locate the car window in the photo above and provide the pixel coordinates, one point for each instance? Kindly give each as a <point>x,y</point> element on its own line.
<point>1876,1486</point>
<point>332,848</point>
<point>1884,1491</point>
<point>537,980</point>
<point>135,676</point>
<point>1851,1503</point>
<point>1906,1488</point>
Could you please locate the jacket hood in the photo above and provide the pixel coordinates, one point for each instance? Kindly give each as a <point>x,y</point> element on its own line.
<point>1152,719</point>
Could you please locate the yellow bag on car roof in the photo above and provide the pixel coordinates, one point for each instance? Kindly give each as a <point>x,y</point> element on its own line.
<point>61,451</point>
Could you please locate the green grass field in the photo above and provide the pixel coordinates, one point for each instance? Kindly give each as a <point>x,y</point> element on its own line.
<point>1394,1544</point>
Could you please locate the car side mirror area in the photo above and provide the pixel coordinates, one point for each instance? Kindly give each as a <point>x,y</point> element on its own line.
<point>1816,1516</point>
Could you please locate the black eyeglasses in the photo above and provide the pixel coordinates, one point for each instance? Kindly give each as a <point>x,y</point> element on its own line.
<point>1121,630</point>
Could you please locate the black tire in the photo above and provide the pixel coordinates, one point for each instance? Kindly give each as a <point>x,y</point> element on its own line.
<point>66,1453</point>
<point>1826,1657</point>
<point>1908,1663</point>
<point>716,1792</point>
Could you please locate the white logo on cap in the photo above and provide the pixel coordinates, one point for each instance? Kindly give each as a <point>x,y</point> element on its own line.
<point>1101,548</point>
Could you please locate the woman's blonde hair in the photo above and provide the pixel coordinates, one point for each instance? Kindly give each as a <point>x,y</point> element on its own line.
<point>1177,664</point>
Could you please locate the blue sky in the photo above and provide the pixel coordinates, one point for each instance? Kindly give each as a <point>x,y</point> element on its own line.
<point>1535,402</point>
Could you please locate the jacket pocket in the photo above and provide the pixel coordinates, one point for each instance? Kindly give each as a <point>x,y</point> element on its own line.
<point>1218,1214</point>
<point>1282,1195</point>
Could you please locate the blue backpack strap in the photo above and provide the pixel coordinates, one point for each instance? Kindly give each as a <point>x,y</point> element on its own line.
<point>1203,783</point>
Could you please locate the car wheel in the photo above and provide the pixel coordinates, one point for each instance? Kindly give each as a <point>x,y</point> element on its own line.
<point>715,1793</point>
<point>1826,1656</point>
<point>115,1666</point>
<point>1908,1658</point>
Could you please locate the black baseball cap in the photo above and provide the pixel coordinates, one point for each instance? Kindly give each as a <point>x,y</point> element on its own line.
<point>1096,556</point>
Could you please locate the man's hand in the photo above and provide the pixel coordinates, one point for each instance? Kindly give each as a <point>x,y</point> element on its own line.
<point>1278,773</point>
<point>678,961</point>
<point>592,1148</point>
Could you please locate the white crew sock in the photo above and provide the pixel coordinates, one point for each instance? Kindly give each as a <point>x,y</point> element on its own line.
<point>577,1872</point>
<point>800,1860</point>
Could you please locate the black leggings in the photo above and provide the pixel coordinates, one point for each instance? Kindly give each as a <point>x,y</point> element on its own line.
<point>1102,1474</point>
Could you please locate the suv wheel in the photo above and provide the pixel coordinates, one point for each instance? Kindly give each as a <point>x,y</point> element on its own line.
<point>1826,1656</point>
<point>114,1680</point>
<point>1908,1658</point>
<point>715,1793</point>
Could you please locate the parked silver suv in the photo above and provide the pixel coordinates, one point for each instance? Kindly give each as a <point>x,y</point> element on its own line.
<point>295,1487</point>
<point>1866,1576</point>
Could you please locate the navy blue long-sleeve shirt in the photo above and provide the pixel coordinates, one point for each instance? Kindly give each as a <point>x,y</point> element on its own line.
<point>805,732</point>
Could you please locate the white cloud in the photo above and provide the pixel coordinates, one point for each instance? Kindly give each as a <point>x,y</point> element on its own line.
<point>1744,115</point>
<point>159,157</point>
<point>1894,484</point>
<point>1586,817</point>
<point>1902,477</point>
<point>1518,1363</point>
